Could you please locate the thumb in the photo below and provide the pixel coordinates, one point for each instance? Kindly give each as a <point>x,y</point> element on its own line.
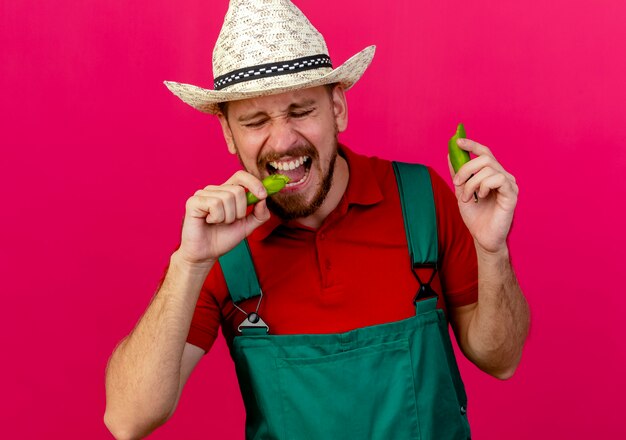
<point>259,215</point>
<point>458,190</point>
<point>452,173</point>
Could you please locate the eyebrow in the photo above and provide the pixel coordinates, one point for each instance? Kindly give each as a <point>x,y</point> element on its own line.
<point>293,106</point>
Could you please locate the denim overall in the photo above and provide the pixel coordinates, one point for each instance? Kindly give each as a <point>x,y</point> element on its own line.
<point>397,380</point>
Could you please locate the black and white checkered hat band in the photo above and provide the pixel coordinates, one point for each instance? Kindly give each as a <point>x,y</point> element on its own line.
<point>272,69</point>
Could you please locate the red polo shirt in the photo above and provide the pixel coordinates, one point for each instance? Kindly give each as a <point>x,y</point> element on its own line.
<point>353,271</point>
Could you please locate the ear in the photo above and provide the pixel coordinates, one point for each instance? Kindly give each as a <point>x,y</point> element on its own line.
<point>228,134</point>
<point>340,108</point>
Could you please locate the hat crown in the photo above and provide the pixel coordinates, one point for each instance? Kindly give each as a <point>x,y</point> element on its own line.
<point>257,32</point>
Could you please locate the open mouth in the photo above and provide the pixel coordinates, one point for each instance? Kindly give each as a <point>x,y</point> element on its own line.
<point>297,169</point>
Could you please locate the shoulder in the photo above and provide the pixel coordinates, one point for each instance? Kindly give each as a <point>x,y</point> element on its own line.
<point>371,167</point>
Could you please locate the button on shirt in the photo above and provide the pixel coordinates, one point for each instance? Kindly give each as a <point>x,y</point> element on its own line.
<point>353,271</point>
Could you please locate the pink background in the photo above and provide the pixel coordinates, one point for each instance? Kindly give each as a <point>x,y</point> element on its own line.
<point>98,158</point>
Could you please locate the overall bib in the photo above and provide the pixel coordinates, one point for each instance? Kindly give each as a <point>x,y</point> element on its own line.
<point>390,381</point>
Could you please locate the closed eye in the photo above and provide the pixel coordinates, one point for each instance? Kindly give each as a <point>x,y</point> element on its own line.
<point>301,114</point>
<point>256,124</point>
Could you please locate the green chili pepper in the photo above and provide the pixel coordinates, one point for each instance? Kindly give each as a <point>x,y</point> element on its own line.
<point>458,157</point>
<point>272,183</point>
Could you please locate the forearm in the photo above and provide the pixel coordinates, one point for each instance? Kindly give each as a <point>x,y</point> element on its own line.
<point>500,323</point>
<point>143,375</point>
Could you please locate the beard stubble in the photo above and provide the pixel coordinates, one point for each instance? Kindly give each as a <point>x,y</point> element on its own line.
<point>294,206</point>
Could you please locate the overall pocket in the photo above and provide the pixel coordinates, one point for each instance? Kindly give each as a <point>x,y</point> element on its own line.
<point>363,393</point>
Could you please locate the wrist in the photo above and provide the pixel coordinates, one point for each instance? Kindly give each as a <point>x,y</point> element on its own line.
<point>491,255</point>
<point>185,265</point>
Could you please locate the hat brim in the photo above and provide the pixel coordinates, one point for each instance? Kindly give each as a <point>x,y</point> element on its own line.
<point>207,100</point>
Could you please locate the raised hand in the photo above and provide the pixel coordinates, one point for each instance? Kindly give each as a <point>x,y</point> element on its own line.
<point>489,220</point>
<point>216,220</point>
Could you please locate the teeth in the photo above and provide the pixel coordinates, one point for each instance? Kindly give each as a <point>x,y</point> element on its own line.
<point>306,174</point>
<point>291,165</point>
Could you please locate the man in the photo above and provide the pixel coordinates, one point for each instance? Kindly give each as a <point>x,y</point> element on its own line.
<point>311,285</point>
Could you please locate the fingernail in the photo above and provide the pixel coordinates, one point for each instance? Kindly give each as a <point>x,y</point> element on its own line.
<point>261,191</point>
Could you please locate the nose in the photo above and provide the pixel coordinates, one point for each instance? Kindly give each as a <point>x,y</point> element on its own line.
<point>283,136</point>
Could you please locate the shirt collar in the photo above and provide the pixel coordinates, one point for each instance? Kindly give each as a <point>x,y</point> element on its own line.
<point>363,189</point>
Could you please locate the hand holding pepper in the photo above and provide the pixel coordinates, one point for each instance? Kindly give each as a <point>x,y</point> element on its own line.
<point>217,218</point>
<point>489,221</point>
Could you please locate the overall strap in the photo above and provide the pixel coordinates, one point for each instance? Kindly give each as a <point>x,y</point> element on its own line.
<point>239,273</point>
<point>420,225</point>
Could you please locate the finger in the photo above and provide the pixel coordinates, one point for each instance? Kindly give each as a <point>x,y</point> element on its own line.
<point>233,198</point>
<point>229,204</point>
<point>451,168</point>
<point>227,199</point>
<point>239,193</point>
<point>473,184</point>
<point>260,214</point>
<point>480,150</point>
<point>247,180</point>
<point>473,147</point>
<point>458,189</point>
<point>474,166</point>
<point>507,190</point>
<point>208,208</point>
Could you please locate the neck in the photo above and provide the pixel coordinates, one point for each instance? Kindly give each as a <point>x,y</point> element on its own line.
<point>338,187</point>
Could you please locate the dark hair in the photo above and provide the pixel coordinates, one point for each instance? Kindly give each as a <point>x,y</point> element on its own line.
<point>223,106</point>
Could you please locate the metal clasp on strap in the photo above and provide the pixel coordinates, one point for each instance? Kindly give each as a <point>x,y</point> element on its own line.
<point>425,291</point>
<point>253,322</point>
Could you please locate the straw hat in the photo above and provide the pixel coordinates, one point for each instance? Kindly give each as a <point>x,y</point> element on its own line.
<point>267,47</point>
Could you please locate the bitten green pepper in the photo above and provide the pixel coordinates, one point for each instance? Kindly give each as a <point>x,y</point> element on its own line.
<point>458,157</point>
<point>272,183</point>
